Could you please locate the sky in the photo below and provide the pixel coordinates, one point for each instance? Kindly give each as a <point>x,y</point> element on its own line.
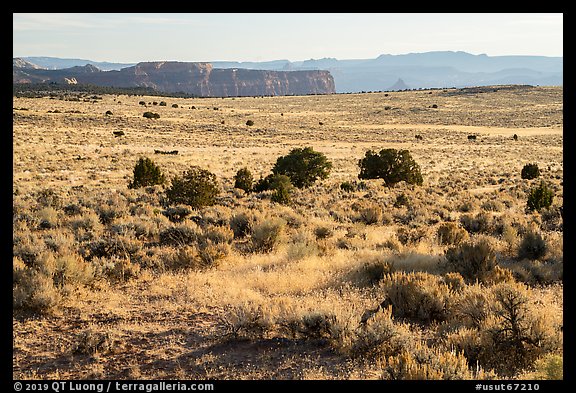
<point>131,38</point>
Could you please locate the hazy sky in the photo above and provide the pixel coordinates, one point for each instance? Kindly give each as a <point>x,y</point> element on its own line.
<point>131,38</point>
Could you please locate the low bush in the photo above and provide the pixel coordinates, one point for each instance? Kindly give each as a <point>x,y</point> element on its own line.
<point>177,213</point>
<point>517,333</point>
<point>242,224</point>
<point>146,173</point>
<point>91,342</point>
<point>391,165</point>
<point>243,180</point>
<point>480,223</point>
<point>303,166</point>
<point>420,296</point>
<point>347,186</point>
<point>371,214</point>
<point>151,115</point>
<point>540,197</point>
<point>197,188</point>
<point>41,287</point>
<point>280,185</point>
<point>532,246</point>
<point>474,260</point>
<point>450,233</point>
<point>179,235</point>
<point>530,171</point>
<point>267,234</point>
<point>426,363</point>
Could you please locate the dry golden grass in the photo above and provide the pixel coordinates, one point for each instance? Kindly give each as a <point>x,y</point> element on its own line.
<point>102,290</point>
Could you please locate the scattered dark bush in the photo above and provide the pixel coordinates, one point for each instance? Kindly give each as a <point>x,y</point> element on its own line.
<point>172,152</point>
<point>391,165</point>
<point>73,209</point>
<point>250,123</point>
<point>242,224</point>
<point>530,171</point>
<point>151,115</point>
<point>146,173</point>
<point>347,186</point>
<point>162,103</point>
<point>401,200</point>
<point>109,113</point>
<point>323,232</point>
<point>196,188</point>
<point>174,105</point>
<point>540,197</point>
<point>282,188</point>
<point>243,180</point>
<point>303,166</point>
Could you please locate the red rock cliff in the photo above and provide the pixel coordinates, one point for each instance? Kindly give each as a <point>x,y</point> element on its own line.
<point>199,79</point>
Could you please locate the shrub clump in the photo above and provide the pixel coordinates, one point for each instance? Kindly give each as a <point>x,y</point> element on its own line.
<point>391,165</point>
<point>282,190</point>
<point>146,173</point>
<point>517,334</point>
<point>533,246</point>
<point>530,171</point>
<point>426,363</point>
<point>197,188</point>
<point>242,224</point>
<point>347,186</point>
<point>303,166</point>
<point>280,185</point>
<point>371,214</point>
<point>243,180</point>
<point>473,259</point>
<point>41,286</point>
<point>151,115</point>
<point>450,233</point>
<point>180,235</point>
<point>420,296</point>
<point>267,234</point>
<point>540,197</point>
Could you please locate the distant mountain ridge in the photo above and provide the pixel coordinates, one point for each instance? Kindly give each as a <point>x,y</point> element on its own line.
<point>417,70</point>
<point>55,63</point>
<point>197,79</point>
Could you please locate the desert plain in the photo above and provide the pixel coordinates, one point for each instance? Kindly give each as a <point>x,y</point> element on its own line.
<point>341,283</point>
